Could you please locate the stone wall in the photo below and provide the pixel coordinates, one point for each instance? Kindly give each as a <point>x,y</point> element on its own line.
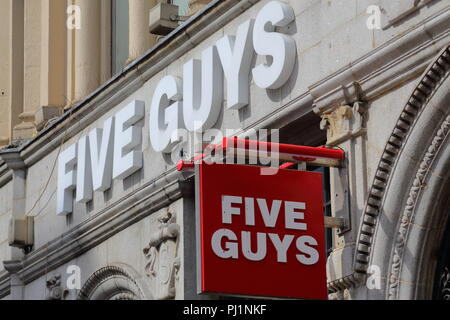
<point>336,53</point>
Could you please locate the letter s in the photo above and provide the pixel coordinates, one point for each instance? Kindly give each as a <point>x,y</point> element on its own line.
<point>279,46</point>
<point>304,245</point>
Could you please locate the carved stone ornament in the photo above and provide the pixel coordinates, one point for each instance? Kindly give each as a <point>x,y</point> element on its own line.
<point>113,282</point>
<point>408,213</point>
<point>162,256</point>
<point>343,123</point>
<point>445,284</point>
<point>54,289</point>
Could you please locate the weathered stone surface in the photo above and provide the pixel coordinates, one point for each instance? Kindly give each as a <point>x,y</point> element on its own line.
<point>337,56</point>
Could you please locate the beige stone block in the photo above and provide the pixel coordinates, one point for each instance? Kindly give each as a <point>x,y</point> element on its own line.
<point>4,141</point>
<point>26,129</point>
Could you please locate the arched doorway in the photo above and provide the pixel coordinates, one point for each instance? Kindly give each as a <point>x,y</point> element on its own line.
<point>403,225</point>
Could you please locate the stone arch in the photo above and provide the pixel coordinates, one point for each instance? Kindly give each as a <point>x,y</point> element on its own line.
<point>115,282</point>
<point>422,217</point>
<point>416,153</point>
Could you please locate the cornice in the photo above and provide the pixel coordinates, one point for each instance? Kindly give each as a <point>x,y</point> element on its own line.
<point>12,159</point>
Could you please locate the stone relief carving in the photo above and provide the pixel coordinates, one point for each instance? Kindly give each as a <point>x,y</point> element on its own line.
<point>445,284</point>
<point>54,289</point>
<point>112,283</point>
<point>405,221</point>
<point>162,256</point>
<point>343,123</point>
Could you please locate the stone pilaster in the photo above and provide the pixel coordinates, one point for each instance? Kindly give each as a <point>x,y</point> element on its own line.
<point>32,69</point>
<point>345,127</point>
<point>53,44</point>
<point>87,49</point>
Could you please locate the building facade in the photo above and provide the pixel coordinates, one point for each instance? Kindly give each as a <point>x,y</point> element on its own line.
<point>370,77</point>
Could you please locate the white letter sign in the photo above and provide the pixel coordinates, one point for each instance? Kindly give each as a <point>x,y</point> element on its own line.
<point>280,47</point>
<point>101,146</point>
<point>66,180</point>
<point>127,137</point>
<point>165,113</point>
<point>236,55</point>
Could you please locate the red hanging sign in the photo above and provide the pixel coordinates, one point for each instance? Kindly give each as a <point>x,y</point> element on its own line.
<point>260,235</point>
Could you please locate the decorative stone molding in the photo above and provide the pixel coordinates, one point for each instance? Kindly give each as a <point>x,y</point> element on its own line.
<point>13,159</point>
<point>111,283</point>
<point>343,123</point>
<point>161,253</point>
<point>435,73</point>
<point>405,220</point>
<point>339,269</point>
<point>54,289</point>
<point>325,101</point>
<point>445,284</point>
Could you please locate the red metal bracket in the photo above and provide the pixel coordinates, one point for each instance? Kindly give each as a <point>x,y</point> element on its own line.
<point>291,154</point>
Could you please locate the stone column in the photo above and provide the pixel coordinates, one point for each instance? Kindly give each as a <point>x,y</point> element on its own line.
<point>5,70</point>
<point>87,45</point>
<point>31,69</point>
<point>53,45</point>
<point>53,63</point>
<point>345,127</point>
<point>16,56</point>
<point>140,40</point>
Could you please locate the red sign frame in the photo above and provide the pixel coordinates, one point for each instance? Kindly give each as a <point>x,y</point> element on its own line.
<point>263,209</point>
